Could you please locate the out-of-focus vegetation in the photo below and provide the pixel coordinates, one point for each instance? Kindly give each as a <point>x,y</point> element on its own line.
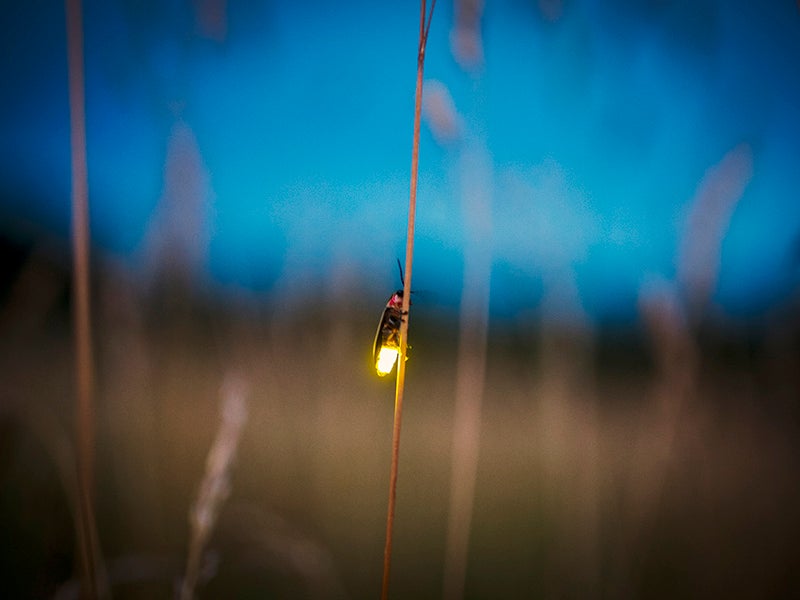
<point>653,458</point>
<point>659,460</point>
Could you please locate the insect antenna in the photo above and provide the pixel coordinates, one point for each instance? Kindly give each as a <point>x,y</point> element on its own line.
<point>402,278</point>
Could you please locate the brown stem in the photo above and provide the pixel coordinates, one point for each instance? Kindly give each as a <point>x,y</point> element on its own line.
<point>424,27</point>
<point>471,367</point>
<point>84,429</point>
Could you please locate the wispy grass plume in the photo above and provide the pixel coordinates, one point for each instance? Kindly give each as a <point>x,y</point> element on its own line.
<point>215,487</point>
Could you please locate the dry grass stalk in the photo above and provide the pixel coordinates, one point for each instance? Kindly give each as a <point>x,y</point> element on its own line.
<point>470,376</point>
<point>84,425</point>
<point>674,387</point>
<point>700,251</point>
<point>671,312</point>
<point>466,41</point>
<point>215,487</point>
<point>424,28</point>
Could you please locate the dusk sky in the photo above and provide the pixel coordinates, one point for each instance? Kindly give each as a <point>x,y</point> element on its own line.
<point>270,144</point>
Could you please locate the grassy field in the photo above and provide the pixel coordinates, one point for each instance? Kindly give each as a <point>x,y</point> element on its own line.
<point>607,467</point>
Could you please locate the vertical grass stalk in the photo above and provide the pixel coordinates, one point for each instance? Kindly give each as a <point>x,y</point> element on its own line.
<point>215,486</point>
<point>476,174</point>
<point>84,415</point>
<point>424,28</point>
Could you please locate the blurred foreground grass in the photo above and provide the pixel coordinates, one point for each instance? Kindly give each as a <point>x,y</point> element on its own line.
<point>591,481</point>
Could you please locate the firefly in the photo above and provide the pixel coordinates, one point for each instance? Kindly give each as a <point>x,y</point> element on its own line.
<point>387,338</point>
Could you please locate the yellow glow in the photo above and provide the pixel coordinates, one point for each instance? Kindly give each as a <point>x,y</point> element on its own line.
<point>387,356</point>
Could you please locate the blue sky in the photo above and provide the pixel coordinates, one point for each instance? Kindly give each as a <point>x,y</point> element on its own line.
<point>591,132</point>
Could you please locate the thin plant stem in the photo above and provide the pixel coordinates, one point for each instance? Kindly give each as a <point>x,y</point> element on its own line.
<point>424,28</point>
<point>216,484</point>
<point>84,417</point>
<point>470,374</point>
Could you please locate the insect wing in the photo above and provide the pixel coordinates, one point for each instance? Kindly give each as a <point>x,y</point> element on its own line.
<point>387,338</point>
<point>380,335</point>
